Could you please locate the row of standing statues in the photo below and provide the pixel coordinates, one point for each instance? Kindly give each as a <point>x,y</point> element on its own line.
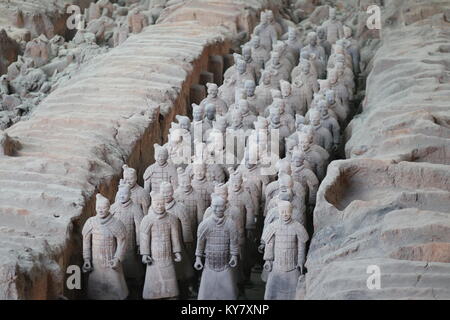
<point>199,218</point>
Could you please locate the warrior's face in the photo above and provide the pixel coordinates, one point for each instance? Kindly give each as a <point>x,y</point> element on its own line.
<point>184,124</point>
<point>161,157</point>
<point>211,112</point>
<point>212,91</point>
<point>167,194</point>
<point>235,183</point>
<point>332,15</point>
<point>285,90</point>
<point>298,160</point>
<point>184,184</point>
<point>102,208</point>
<point>305,143</point>
<point>285,213</point>
<point>323,110</point>
<point>315,119</point>
<point>199,172</point>
<point>306,68</point>
<point>218,207</point>
<point>159,205</point>
<point>130,179</point>
<point>124,194</point>
<point>250,89</point>
<point>313,40</point>
<point>266,78</point>
<point>197,115</point>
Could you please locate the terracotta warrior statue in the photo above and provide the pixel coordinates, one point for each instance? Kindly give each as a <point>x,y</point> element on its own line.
<point>160,171</point>
<point>333,27</point>
<point>322,39</point>
<point>210,116</point>
<point>252,99</point>
<point>138,194</point>
<point>317,157</point>
<point>217,241</point>
<point>322,136</point>
<point>304,86</point>
<point>302,174</point>
<point>104,250</point>
<point>294,44</point>
<point>202,186</point>
<point>291,101</point>
<point>259,54</point>
<point>319,53</point>
<point>267,32</point>
<point>330,123</point>
<point>160,248</point>
<point>190,198</point>
<point>277,70</point>
<point>199,125</point>
<point>183,269</point>
<point>212,98</point>
<point>263,91</point>
<point>285,254</point>
<point>130,214</point>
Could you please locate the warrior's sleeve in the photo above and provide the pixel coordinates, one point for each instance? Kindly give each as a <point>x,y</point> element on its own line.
<point>147,179</point>
<point>145,235</point>
<point>87,237</point>
<point>269,250</point>
<point>145,202</point>
<point>234,238</point>
<point>175,235</point>
<point>313,186</point>
<point>121,237</point>
<point>201,238</point>
<point>302,238</point>
<point>336,131</point>
<point>138,216</point>
<point>250,213</point>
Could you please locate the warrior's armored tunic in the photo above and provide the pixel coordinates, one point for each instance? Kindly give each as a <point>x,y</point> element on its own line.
<point>156,174</point>
<point>285,246</point>
<point>103,241</point>
<point>130,214</point>
<point>140,197</point>
<point>183,268</point>
<point>160,239</point>
<point>217,241</point>
<point>204,188</point>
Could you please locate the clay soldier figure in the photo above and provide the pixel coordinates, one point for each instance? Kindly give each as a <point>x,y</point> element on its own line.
<point>130,214</point>
<point>252,66</point>
<point>202,187</point>
<point>138,194</point>
<point>346,76</point>
<point>242,74</point>
<point>300,126</point>
<point>302,174</point>
<point>304,86</point>
<point>160,171</point>
<point>322,136</point>
<point>292,102</point>
<point>333,28</point>
<point>319,53</point>
<point>179,146</point>
<point>285,254</point>
<point>263,92</point>
<point>248,118</point>
<point>137,21</point>
<point>294,44</point>
<point>285,59</point>
<point>183,269</point>
<point>277,70</point>
<point>266,32</point>
<point>199,126</point>
<point>322,38</point>
<point>250,87</point>
<point>104,249</point>
<point>340,90</point>
<point>240,198</point>
<point>210,116</point>
<point>317,157</point>
<point>217,241</point>
<point>338,109</point>
<point>160,248</point>
<point>212,98</point>
<point>286,117</point>
<point>186,195</point>
<point>260,55</point>
<point>330,123</point>
<point>352,49</point>
<point>276,124</point>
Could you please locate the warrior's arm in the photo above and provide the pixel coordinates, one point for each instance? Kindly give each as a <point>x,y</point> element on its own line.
<point>313,186</point>
<point>138,216</point>
<point>201,241</point>
<point>175,236</point>
<point>269,250</point>
<point>122,239</point>
<point>87,244</point>
<point>145,237</point>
